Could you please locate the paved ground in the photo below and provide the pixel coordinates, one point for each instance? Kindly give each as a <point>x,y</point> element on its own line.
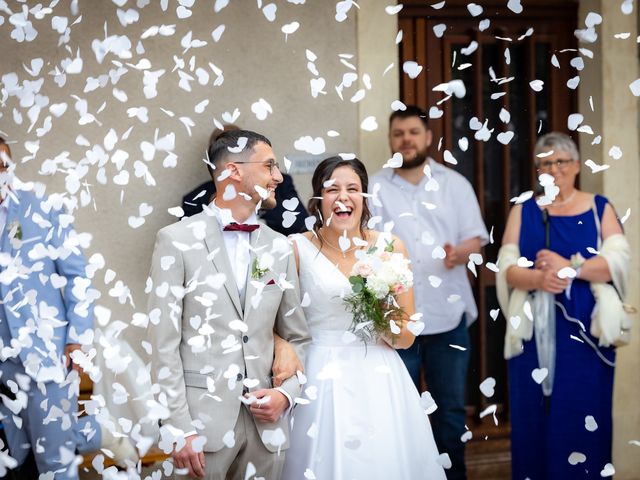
<point>146,474</point>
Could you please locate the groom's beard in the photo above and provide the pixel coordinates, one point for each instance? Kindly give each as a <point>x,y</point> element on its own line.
<point>269,203</point>
<point>416,161</point>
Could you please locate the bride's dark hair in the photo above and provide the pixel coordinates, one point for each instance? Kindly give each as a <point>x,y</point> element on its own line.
<point>323,173</point>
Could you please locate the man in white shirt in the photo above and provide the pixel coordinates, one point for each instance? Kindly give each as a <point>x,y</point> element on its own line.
<point>221,287</point>
<point>436,214</point>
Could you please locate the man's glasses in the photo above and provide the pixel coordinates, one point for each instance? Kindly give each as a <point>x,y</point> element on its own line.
<point>560,163</point>
<point>269,163</point>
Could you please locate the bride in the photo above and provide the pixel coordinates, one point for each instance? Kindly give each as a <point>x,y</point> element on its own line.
<point>364,419</point>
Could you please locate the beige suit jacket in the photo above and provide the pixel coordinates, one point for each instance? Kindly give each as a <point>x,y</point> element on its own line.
<point>207,347</point>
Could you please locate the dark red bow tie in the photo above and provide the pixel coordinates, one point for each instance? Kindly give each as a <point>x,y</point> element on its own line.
<point>241,227</point>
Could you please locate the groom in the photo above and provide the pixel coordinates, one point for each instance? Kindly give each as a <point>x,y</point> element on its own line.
<point>221,285</point>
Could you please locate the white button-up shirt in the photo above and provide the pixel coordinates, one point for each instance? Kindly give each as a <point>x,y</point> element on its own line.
<point>441,209</point>
<point>4,211</point>
<point>236,244</point>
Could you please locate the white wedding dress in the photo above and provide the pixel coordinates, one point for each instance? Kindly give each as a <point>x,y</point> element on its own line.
<point>364,419</point>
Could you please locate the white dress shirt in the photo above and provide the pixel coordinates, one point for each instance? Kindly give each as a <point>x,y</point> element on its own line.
<point>4,211</point>
<point>441,208</point>
<point>237,245</point>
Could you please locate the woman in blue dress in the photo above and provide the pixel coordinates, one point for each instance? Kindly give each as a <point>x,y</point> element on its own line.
<point>565,432</point>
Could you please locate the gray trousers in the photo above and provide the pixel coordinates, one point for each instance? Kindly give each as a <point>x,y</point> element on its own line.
<point>233,463</point>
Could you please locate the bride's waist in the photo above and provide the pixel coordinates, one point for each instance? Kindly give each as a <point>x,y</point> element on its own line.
<point>340,338</point>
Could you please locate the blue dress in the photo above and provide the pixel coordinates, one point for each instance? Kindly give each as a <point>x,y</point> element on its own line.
<point>544,436</point>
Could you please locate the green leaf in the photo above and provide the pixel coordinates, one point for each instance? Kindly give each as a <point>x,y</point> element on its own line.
<point>389,247</point>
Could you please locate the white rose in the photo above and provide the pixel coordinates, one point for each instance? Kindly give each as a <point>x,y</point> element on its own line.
<point>265,261</point>
<point>378,286</point>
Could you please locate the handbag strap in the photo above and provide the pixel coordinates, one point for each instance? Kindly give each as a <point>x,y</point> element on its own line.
<point>596,219</point>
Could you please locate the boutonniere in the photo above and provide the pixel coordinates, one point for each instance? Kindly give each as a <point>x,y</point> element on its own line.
<point>261,265</point>
<point>15,230</point>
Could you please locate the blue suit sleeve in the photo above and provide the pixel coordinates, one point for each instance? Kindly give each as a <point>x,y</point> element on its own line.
<point>78,296</point>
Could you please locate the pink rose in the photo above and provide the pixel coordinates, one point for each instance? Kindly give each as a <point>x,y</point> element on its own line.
<point>364,269</point>
<point>398,289</point>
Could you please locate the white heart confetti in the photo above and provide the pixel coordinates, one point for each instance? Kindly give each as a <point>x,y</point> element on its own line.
<point>487,387</point>
<point>395,161</point>
<point>576,457</point>
<point>505,137</point>
<point>539,374</point>
<point>515,6</point>
<point>536,85</point>
<point>412,69</point>
<point>474,9</point>
<point>269,12</point>
<point>261,109</point>
<point>217,33</point>
<point>524,263</point>
<point>369,124</point>
<point>314,146</point>
<point>449,158</point>
<point>590,423</point>
<point>574,120</point>
<point>290,28</point>
<point>439,29</point>
<point>415,328</point>
<point>608,470</point>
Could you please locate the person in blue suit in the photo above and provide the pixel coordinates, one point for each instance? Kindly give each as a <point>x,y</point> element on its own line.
<point>46,312</point>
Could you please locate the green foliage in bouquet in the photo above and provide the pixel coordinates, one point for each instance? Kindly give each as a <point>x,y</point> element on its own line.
<point>370,315</point>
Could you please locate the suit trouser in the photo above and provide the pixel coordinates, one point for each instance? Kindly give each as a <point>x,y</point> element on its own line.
<point>232,463</point>
<point>49,423</point>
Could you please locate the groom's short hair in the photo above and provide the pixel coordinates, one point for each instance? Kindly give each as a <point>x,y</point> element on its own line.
<point>223,147</point>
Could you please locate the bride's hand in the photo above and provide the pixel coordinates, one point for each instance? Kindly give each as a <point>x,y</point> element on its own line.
<point>403,338</point>
<point>285,361</point>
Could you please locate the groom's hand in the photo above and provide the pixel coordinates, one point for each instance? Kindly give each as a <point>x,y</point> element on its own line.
<point>271,410</point>
<point>187,458</point>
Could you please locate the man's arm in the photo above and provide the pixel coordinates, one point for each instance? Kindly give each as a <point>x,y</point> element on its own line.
<point>292,328</point>
<point>165,331</point>
<point>472,232</point>
<point>459,254</point>
<point>71,264</point>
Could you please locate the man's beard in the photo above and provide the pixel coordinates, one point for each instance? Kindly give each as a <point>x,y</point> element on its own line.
<point>269,203</point>
<point>416,161</point>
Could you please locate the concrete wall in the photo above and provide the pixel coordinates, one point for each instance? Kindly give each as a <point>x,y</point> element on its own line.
<point>615,118</point>
<point>256,60</point>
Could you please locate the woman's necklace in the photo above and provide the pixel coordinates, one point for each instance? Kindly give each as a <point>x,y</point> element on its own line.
<point>565,201</point>
<point>337,249</point>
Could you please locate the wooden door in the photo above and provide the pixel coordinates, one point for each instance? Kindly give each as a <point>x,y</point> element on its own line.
<point>497,65</point>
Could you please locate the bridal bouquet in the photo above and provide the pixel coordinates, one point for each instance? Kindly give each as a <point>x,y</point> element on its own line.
<point>376,279</point>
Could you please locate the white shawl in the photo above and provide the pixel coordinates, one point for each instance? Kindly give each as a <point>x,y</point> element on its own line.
<point>608,323</point>
<point>512,301</point>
